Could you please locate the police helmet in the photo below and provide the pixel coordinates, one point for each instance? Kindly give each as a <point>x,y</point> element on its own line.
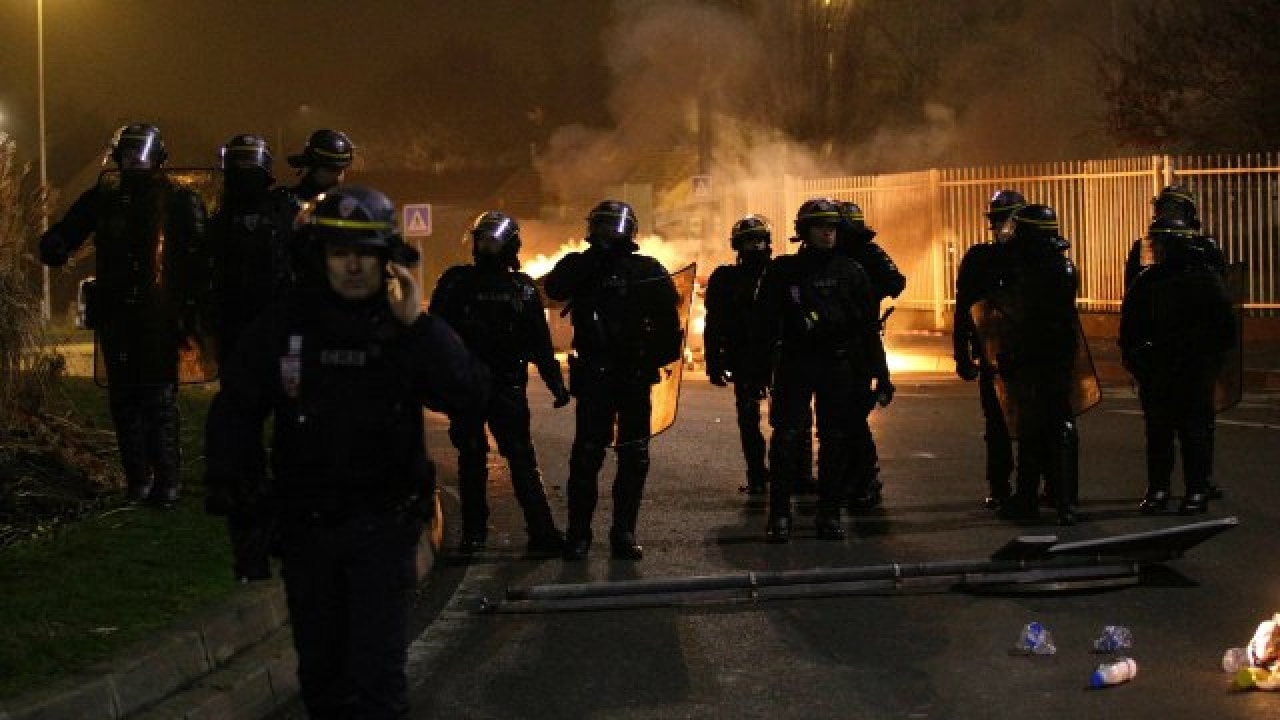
<point>1173,232</point>
<point>1004,203</point>
<point>612,221</point>
<point>751,228</point>
<point>1177,200</point>
<point>501,227</point>
<point>816,211</point>
<point>325,149</point>
<point>852,217</point>
<point>354,215</point>
<point>139,142</point>
<point>246,152</point>
<point>1035,221</point>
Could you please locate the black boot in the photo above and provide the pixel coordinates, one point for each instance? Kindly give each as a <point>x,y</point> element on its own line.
<point>576,547</point>
<point>1156,501</point>
<point>778,529</point>
<point>623,546</point>
<point>473,541</point>
<point>1195,503</point>
<point>828,524</point>
<point>1021,508</point>
<point>870,498</point>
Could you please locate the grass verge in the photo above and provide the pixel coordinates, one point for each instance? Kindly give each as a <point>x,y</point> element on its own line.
<point>91,588</point>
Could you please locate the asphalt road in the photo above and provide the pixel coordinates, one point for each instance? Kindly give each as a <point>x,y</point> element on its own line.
<point>915,654</point>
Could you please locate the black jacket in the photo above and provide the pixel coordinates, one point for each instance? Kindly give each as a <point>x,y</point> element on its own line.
<point>346,383</point>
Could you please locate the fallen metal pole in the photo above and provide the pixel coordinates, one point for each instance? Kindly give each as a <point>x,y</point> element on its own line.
<point>1029,563</point>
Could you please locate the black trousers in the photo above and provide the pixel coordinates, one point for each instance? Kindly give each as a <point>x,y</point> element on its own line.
<point>747,401</point>
<point>147,425</point>
<point>996,436</point>
<point>507,417</point>
<point>349,590</point>
<point>836,392</point>
<point>1046,430</point>
<point>608,409</point>
<point>1179,408</point>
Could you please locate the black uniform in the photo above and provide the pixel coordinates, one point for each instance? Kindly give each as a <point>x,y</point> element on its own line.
<point>151,287</point>
<point>345,382</point>
<point>1175,324</point>
<point>816,307</point>
<point>858,243</point>
<point>499,315</point>
<point>1204,252</point>
<point>1038,371</point>
<point>731,291</point>
<point>252,265</point>
<point>982,270</point>
<point>626,327</point>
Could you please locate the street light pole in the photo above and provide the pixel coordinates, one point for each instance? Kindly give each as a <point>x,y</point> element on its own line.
<point>45,306</point>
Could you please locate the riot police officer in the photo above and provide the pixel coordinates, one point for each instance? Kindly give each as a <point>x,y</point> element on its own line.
<point>248,232</point>
<point>321,165</point>
<point>344,370</point>
<point>498,312</point>
<point>1037,362</point>
<point>730,358</point>
<point>817,313</point>
<point>1175,324</point>
<point>626,327</point>
<point>1175,201</point>
<point>857,241</point>
<point>149,295</point>
<point>982,271</point>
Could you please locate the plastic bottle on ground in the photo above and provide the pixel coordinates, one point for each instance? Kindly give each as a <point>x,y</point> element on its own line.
<point>1120,670</point>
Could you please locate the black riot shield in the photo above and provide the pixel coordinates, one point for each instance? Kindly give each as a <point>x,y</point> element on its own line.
<point>664,397</point>
<point>1229,387</point>
<point>154,278</point>
<point>996,320</point>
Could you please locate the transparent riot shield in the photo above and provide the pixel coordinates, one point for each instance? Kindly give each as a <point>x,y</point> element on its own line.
<point>664,397</point>
<point>996,320</point>
<point>154,278</point>
<point>1229,387</point>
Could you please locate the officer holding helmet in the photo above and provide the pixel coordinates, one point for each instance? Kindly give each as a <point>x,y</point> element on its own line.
<point>498,312</point>
<point>1175,325</point>
<point>149,296</point>
<point>818,321</point>
<point>730,358</point>
<point>982,271</point>
<point>344,369</point>
<point>626,326</point>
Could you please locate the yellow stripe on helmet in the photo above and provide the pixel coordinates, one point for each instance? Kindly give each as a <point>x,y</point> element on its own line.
<point>350,224</point>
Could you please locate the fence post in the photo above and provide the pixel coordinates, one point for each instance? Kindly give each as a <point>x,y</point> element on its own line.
<point>938,250</point>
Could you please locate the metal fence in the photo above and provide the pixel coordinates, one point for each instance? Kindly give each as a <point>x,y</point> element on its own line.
<point>927,220</point>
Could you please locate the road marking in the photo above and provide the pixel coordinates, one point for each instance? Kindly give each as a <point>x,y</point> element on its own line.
<point>1236,423</point>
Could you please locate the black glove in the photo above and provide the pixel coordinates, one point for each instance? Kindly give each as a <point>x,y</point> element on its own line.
<point>884,391</point>
<point>53,250</point>
<point>253,532</point>
<point>561,395</point>
<point>966,369</point>
<point>717,376</point>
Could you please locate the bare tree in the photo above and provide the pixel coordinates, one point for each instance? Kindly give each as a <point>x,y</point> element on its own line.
<point>1195,76</point>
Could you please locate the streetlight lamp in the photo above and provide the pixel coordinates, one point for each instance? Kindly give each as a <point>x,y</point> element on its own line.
<point>45,306</point>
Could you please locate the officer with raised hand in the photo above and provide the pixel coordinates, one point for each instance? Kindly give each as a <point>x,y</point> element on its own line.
<point>344,369</point>
<point>497,310</point>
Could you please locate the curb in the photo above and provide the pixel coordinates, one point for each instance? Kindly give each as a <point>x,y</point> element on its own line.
<point>234,661</point>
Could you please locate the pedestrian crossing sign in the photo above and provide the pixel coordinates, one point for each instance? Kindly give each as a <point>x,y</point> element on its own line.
<point>416,220</point>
